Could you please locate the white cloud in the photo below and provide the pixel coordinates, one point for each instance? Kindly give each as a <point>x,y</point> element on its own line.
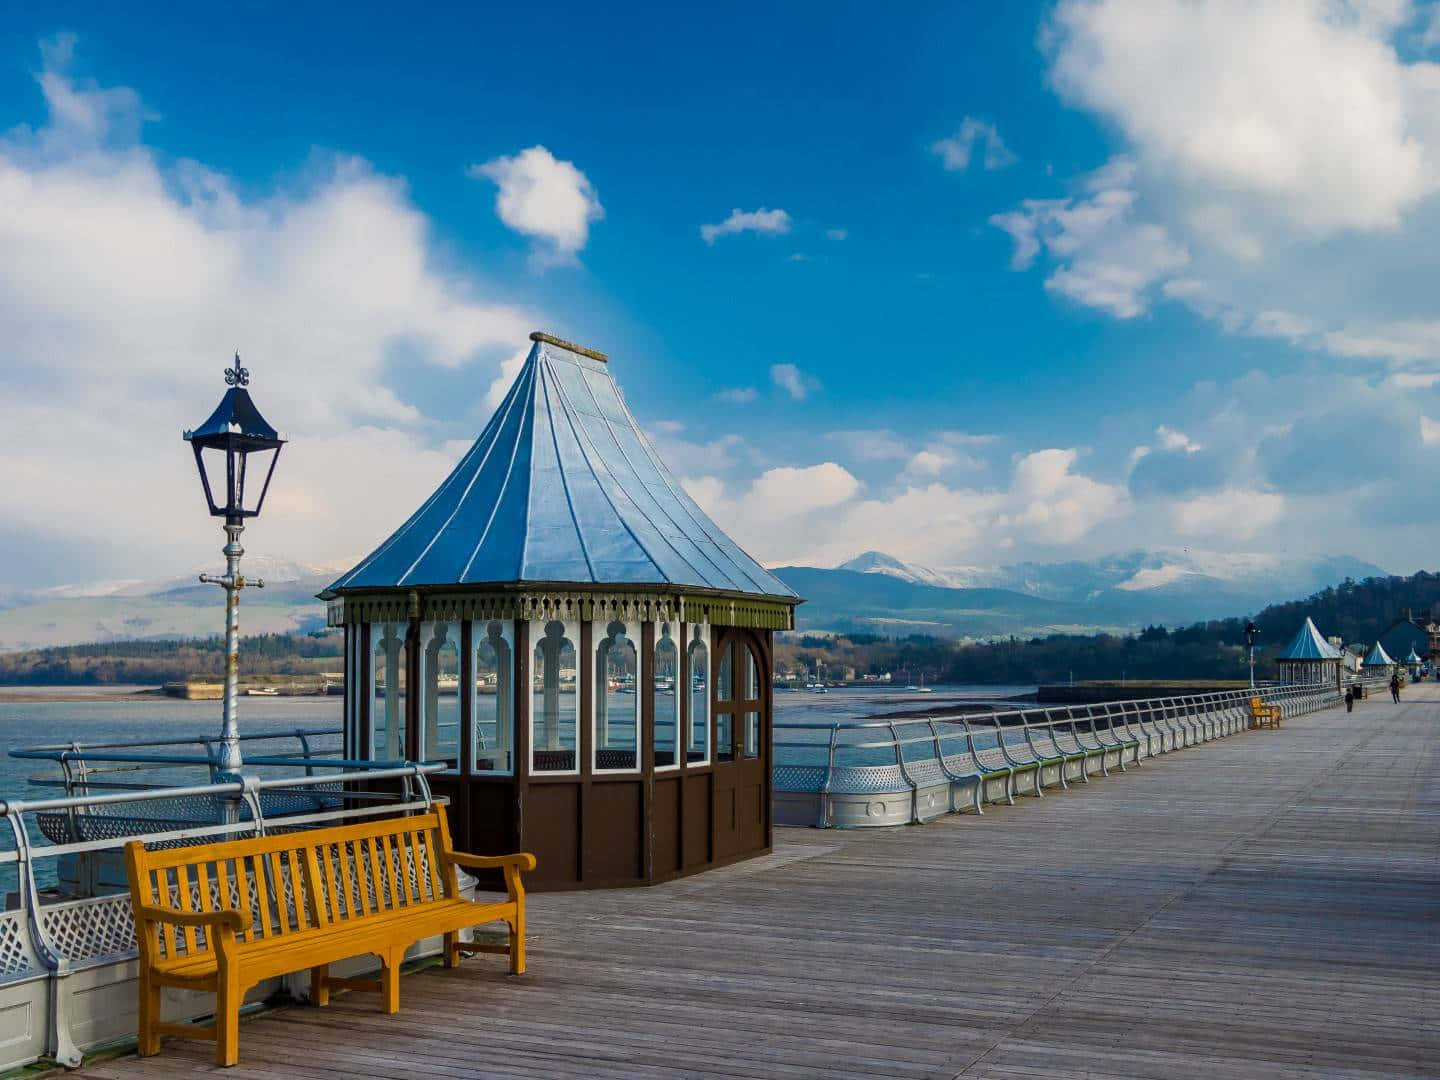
<point>548,200</point>
<point>930,462</point>
<point>1233,514</point>
<point>1302,108</point>
<point>1104,259</point>
<point>768,222</point>
<point>1429,431</point>
<point>738,395</point>
<point>797,256</point>
<point>1170,439</point>
<point>793,381</point>
<point>956,152</point>
<point>125,285</point>
<point>837,234</point>
<point>788,491</point>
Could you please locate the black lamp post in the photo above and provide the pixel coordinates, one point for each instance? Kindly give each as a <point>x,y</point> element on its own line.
<point>1252,634</point>
<point>233,434</point>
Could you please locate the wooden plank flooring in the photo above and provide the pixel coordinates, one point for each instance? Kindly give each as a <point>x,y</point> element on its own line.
<point>1264,906</point>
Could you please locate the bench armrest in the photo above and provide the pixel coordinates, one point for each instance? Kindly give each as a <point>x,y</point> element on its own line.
<point>225,918</point>
<point>522,860</point>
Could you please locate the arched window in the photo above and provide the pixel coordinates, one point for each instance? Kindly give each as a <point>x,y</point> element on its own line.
<point>667,699</point>
<point>493,706</point>
<point>724,718</point>
<point>750,690</point>
<point>440,676</point>
<point>387,692</point>
<point>697,669</point>
<point>553,734</point>
<point>616,704</point>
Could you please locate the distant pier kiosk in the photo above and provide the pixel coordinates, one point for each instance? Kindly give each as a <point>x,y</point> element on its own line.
<point>1377,661</point>
<point>1309,658</point>
<point>586,650</point>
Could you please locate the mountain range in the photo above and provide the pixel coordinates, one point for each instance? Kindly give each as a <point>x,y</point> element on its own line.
<point>873,592</point>
<point>882,594</point>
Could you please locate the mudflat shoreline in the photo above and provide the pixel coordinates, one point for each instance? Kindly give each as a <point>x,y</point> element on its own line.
<point>79,693</point>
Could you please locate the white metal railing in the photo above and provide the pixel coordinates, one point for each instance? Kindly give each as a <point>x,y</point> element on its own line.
<point>53,940</point>
<point>876,761</point>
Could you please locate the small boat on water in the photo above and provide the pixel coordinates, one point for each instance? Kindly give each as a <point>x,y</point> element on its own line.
<point>262,691</point>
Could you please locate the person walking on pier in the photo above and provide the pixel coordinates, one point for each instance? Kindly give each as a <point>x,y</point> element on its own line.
<point>1395,687</point>
<point>1349,699</point>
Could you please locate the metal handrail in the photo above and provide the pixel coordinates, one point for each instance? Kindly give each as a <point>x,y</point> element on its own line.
<point>1098,730</point>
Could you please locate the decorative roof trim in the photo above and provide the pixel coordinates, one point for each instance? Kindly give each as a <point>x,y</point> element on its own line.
<point>581,349</point>
<point>636,605</point>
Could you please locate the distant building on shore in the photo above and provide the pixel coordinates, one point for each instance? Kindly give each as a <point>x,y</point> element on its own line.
<point>1412,630</point>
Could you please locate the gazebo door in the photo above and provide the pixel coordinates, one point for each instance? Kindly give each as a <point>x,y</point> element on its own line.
<point>742,730</point>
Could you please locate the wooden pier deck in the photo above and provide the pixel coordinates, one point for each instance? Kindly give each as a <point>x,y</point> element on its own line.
<point>1267,905</point>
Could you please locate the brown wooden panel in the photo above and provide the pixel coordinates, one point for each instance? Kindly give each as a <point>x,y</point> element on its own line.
<point>751,811</point>
<point>614,832</point>
<point>697,820</point>
<point>552,831</point>
<point>727,832</point>
<point>665,824</point>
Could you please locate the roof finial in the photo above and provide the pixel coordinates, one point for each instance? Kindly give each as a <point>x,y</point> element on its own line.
<point>237,375</point>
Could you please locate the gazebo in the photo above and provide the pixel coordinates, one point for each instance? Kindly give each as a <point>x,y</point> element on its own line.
<point>1377,661</point>
<point>588,653</point>
<point>1309,658</point>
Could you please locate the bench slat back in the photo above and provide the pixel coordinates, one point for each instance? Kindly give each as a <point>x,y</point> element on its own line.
<point>289,883</point>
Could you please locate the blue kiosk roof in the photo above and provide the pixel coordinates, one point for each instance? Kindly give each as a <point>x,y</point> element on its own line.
<point>1378,657</point>
<point>562,487</point>
<point>1309,645</point>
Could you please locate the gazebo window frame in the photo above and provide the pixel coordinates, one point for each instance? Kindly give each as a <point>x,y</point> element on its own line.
<point>381,635</point>
<point>505,686</point>
<point>430,700</point>
<point>601,631</point>
<point>668,632</point>
<point>698,634</point>
<point>571,634</point>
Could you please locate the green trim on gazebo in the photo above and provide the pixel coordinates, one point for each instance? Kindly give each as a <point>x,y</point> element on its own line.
<point>562,602</point>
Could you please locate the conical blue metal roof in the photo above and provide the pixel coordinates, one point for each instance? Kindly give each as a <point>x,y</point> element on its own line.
<point>1412,658</point>
<point>1309,645</point>
<point>1378,657</point>
<point>562,487</point>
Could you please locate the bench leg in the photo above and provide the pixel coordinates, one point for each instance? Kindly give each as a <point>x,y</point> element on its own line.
<point>517,941</point>
<point>452,950</point>
<point>149,1040</point>
<point>320,986</point>
<point>228,997</point>
<point>390,979</point>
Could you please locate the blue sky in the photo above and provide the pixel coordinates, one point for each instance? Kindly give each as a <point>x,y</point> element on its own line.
<point>1000,282</point>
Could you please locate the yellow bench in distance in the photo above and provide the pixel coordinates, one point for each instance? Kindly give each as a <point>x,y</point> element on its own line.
<point>1262,715</point>
<point>222,917</point>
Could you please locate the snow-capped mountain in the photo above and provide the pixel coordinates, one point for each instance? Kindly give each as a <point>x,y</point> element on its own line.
<point>1174,586</point>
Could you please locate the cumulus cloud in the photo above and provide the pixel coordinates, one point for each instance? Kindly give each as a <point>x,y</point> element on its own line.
<point>1103,257</point>
<point>958,150</point>
<point>768,222</point>
<point>544,198</point>
<point>1273,154</point>
<point>1304,106</point>
<point>793,381</point>
<point>114,262</point>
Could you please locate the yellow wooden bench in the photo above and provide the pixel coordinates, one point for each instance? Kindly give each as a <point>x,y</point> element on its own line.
<point>1262,715</point>
<point>222,917</point>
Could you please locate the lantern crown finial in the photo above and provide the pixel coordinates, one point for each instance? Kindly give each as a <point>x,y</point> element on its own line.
<point>237,375</point>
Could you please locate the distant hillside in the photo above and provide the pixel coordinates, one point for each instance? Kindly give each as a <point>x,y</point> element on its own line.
<point>154,662</point>
<point>884,604</point>
<point>1124,591</point>
<point>1214,649</point>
